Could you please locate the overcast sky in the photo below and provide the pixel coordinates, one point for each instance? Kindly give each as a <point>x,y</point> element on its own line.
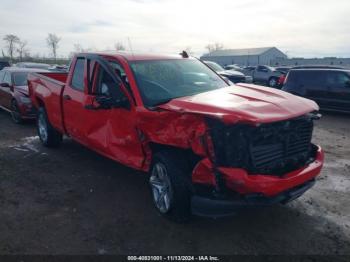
<point>310,28</point>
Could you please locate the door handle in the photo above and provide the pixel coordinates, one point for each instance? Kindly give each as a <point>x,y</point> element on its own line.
<point>67,97</point>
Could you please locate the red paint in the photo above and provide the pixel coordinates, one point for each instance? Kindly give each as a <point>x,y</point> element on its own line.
<point>127,135</point>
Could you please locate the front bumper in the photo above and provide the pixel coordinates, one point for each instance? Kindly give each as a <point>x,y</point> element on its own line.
<point>268,189</point>
<point>209,207</point>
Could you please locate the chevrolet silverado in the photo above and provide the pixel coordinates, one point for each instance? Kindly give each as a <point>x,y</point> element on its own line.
<point>209,148</point>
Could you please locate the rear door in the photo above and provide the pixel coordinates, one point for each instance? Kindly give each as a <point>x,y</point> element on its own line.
<point>312,84</point>
<point>338,85</point>
<point>74,99</point>
<point>6,92</point>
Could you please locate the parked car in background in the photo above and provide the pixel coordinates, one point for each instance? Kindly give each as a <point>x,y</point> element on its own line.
<point>3,64</point>
<point>330,88</point>
<point>58,68</point>
<point>209,148</point>
<point>283,69</point>
<point>233,67</point>
<point>33,65</point>
<point>266,75</point>
<point>232,75</point>
<point>14,97</point>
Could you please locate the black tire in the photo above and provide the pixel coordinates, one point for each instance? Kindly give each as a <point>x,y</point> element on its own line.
<point>49,136</point>
<point>273,82</point>
<point>15,113</point>
<point>178,174</point>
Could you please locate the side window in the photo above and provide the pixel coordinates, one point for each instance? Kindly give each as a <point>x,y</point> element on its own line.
<point>2,74</point>
<point>107,86</point>
<point>78,75</point>
<point>337,79</point>
<point>7,78</point>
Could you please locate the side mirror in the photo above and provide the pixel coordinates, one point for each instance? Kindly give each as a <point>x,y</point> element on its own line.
<point>107,102</point>
<point>5,85</point>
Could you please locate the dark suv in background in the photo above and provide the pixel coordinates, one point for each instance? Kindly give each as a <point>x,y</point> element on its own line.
<point>330,88</point>
<point>4,64</point>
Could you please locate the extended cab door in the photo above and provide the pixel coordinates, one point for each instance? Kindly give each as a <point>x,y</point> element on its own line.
<point>74,98</point>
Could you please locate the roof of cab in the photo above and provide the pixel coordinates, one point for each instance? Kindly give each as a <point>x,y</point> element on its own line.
<point>138,56</point>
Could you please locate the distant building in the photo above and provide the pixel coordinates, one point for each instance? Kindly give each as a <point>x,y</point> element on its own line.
<point>246,57</point>
<point>332,61</point>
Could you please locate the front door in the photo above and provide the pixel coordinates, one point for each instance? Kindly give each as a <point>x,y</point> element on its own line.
<point>110,131</point>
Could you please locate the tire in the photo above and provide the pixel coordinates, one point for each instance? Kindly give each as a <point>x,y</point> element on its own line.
<point>170,185</point>
<point>15,113</point>
<point>49,137</point>
<point>272,82</point>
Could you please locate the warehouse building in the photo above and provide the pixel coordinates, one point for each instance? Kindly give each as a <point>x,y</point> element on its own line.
<point>245,57</point>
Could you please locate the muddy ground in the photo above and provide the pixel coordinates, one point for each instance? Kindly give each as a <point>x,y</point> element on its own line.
<point>73,201</point>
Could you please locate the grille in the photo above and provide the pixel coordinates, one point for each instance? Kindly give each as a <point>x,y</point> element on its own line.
<point>274,149</point>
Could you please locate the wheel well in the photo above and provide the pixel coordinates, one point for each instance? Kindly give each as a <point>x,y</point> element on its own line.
<point>40,102</point>
<point>191,158</point>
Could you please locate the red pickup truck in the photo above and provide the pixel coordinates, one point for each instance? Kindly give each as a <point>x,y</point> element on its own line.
<point>209,148</point>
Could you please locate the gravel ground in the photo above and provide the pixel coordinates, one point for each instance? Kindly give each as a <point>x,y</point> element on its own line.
<point>72,201</point>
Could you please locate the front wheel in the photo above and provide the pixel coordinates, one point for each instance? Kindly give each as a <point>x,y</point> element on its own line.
<point>170,186</point>
<point>47,134</point>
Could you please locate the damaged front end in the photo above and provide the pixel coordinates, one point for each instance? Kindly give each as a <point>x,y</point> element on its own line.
<point>270,149</point>
<point>267,163</point>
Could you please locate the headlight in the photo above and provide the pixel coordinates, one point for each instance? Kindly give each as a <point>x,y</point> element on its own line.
<point>25,100</point>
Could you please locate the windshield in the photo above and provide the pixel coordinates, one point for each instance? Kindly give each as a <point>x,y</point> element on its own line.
<point>214,66</point>
<point>159,81</point>
<point>20,79</point>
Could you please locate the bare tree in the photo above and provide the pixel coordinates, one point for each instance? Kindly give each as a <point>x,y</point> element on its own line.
<point>22,50</point>
<point>11,42</point>
<point>214,47</point>
<point>52,42</point>
<point>119,46</point>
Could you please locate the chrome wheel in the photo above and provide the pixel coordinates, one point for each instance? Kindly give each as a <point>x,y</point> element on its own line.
<point>42,127</point>
<point>272,82</point>
<point>161,188</point>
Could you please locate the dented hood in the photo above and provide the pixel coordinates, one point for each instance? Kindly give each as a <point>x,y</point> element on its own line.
<point>244,103</point>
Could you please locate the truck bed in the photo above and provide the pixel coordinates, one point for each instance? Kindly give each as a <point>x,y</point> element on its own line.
<point>45,89</point>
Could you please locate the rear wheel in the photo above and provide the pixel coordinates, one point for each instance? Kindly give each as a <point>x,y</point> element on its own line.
<point>170,186</point>
<point>15,113</point>
<point>47,134</point>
